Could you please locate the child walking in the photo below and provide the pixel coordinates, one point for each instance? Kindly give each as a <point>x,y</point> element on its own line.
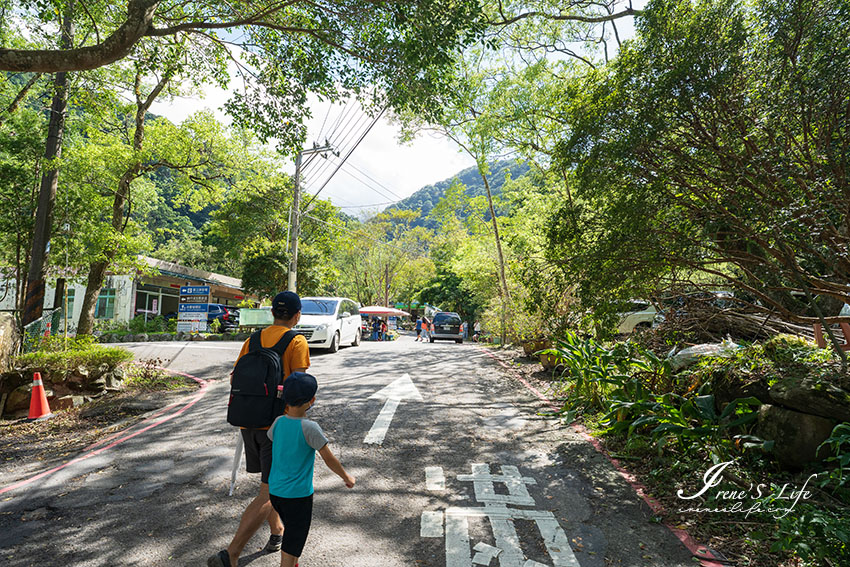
<point>295,441</point>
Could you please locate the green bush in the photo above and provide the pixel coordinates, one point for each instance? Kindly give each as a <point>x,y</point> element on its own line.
<point>56,355</point>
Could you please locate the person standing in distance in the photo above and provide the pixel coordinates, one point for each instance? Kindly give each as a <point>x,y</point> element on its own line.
<point>286,310</point>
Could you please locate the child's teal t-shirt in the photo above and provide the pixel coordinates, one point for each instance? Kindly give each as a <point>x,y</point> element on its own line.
<point>294,444</point>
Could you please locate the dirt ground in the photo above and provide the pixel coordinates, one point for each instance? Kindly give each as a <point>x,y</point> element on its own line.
<point>27,447</point>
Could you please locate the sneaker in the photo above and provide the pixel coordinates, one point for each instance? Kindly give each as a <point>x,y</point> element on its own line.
<point>220,559</point>
<point>275,541</point>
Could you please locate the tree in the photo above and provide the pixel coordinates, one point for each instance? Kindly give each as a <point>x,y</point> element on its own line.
<point>34,295</point>
<point>400,50</point>
<point>21,155</point>
<point>383,258</point>
<point>716,144</point>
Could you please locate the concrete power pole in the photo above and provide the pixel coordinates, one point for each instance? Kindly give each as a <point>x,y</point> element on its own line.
<point>295,220</point>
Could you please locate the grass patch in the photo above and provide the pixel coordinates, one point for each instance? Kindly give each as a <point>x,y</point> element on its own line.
<point>148,376</point>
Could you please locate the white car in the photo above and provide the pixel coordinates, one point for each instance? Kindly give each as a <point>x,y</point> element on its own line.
<point>327,322</point>
<point>640,315</point>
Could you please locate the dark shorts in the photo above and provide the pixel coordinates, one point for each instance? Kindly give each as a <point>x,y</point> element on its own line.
<point>418,332</point>
<point>258,452</point>
<point>296,515</point>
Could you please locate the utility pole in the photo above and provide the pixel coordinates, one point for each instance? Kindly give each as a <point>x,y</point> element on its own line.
<point>295,219</point>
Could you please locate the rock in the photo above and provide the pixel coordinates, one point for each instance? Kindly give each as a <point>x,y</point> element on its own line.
<point>106,338</point>
<point>796,435</point>
<point>19,399</point>
<point>82,372</point>
<point>98,385</point>
<point>118,374</point>
<point>143,338</point>
<point>67,402</point>
<point>14,378</point>
<point>812,396</point>
<point>9,340</point>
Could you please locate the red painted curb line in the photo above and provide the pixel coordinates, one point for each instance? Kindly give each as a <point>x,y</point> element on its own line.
<point>192,401</point>
<point>701,552</point>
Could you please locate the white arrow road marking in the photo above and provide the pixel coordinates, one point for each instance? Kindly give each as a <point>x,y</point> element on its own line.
<point>395,393</point>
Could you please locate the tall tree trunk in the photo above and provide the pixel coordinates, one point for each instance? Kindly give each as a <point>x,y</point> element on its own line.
<point>505,292</point>
<point>97,270</point>
<point>34,297</point>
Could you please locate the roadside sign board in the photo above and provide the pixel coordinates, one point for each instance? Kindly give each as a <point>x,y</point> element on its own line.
<point>191,326</point>
<point>193,308</point>
<point>195,290</point>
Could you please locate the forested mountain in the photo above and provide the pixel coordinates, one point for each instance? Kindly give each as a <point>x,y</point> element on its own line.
<point>426,199</point>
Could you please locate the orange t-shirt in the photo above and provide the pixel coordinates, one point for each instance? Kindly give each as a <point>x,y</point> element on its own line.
<point>297,355</point>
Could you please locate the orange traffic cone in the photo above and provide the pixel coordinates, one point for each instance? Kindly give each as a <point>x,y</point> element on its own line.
<point>38,402</point>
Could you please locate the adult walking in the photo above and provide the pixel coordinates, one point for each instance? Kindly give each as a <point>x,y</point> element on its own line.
<point>286,310</point>
<point>418,329</point>
<point>426,328</point>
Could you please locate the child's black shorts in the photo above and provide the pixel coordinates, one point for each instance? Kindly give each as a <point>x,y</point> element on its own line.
<point>296,514</point>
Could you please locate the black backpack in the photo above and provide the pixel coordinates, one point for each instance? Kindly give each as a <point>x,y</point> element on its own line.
<point>253,389</point>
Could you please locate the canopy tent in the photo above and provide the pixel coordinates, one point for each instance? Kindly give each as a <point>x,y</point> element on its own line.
<point>381,310</point>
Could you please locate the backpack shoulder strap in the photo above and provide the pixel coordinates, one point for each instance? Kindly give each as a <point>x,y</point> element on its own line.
<point>281,345</point>
<point>254,342</point>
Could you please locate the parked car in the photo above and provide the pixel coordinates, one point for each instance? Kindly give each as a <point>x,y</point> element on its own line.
<point>228,315</point>
<point>639,315</point>
<point>328,322</point>
<point>447,325</point>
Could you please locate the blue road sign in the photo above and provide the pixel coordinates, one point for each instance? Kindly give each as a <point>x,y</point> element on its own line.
<point>193,307</point>
<point>195,290</point>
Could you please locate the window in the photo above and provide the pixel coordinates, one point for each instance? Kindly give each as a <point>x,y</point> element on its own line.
<point>318,306</point>
<point>105,307</point>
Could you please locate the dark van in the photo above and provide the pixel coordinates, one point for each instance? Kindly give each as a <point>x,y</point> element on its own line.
<point>447,325</point>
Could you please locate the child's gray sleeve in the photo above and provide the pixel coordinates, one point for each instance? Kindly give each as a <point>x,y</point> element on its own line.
<point>270,432</point>
<point>313,434</point>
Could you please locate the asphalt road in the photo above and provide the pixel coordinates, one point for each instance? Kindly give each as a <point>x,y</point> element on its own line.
<point>505,486</point>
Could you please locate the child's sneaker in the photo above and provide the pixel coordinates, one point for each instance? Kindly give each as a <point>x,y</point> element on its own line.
<point>275,541</point>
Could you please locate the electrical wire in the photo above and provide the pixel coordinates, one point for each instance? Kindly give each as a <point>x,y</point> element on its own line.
<point>372,125</point>
<point>362,237</point>
<point>387,189</point>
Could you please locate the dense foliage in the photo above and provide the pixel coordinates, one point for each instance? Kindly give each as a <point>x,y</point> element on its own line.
<point>714,147</point>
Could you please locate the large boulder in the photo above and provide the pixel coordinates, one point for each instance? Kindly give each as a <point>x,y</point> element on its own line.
<point>19,399</point>
<point>796,435</point>
<point>9,340</point>
<point>813,396</point>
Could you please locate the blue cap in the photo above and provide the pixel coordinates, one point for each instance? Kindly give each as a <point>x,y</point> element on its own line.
<point>299,388</point>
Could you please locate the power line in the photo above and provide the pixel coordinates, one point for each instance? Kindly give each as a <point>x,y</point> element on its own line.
<point>375,121</point>
<point>393,193</point>
<point>322,129</point>
<point>366,184</point>
<point>363,237</point>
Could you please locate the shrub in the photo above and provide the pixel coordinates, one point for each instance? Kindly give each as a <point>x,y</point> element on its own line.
<point>57,356</point>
